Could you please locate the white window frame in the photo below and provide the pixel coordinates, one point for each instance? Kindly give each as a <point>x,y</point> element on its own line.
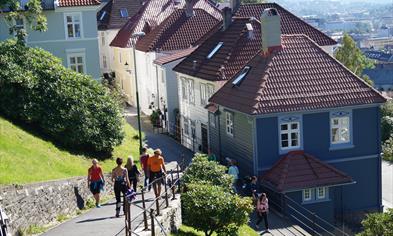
<point>340,117</point>
<point>191,91</point>
<point>193,128</point>
<point>186,126</point>
<point>309,198</point>
<point>73,14</point>
<point>76,55</point>
<point>124,10</point>
<point>229,123</point>
<point>209,91</point>
<point>317,193</point>
<point>203,91</point>
<point>212,120</point>
<point>289,131</point>
<point>184,86</point>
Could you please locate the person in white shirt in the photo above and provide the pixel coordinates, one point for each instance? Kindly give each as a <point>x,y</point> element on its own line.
<point>234,171</point>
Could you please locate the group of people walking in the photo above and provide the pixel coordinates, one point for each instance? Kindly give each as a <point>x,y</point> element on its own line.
<point>126,177</point>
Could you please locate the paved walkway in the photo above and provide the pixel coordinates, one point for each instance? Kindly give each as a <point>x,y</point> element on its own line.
<point>387,184</point>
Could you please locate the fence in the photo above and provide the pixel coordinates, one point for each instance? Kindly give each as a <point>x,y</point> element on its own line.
<point>3,223</point>
<point>310,221</point>
<point>171,185</point>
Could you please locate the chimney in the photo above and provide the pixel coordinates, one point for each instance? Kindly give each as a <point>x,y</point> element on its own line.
<point>190,8</point>
<point>234,5</point>
<point>227,18</point>
<point>270,30</point>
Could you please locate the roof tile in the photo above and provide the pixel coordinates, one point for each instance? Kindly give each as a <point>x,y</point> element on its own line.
<point>78,3</point>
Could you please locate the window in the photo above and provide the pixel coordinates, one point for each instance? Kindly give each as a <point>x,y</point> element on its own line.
<point>229,123</point>
<point>104,62</point>
<point>212,120</point>
<point>321,193</point>
<point>103,38</point>
<point>307,195</point>
<point>203,94</point>
<point>241,76</point>
<point>123,12</point>
<point>191,91</point>
<point>103,14</point>
<point>19,23</point>
<point>290,135</point>
<point>193,128</point>
<point>76,62</point>
<point>184,89</point>
<point>209,91</point>
<point>215,49</point>
<point>73,25</point>
<point>318,194</point>
<point>340,127</point>
<point>186,126</point>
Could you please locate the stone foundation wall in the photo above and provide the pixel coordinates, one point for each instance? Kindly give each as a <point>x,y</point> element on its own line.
<point>41,203</point>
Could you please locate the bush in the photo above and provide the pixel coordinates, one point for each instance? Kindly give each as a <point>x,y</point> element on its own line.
<point>378,224</point>
<point>387,109</point>
<point>387,149</point>
<point>212,209</point>
<point>386,127</point>
<point>71,108</point>
<point>207,172</point>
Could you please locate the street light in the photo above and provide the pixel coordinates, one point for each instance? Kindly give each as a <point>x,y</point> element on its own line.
<point>138,34</point>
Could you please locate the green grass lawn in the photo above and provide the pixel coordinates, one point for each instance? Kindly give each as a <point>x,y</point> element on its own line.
<point>184,230</point>
<point>25,158</point>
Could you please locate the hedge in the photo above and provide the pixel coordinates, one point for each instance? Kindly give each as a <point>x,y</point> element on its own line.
<point>70,107</point>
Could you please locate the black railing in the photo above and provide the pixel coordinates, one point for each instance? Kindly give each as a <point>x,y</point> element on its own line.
<point>4,221</point>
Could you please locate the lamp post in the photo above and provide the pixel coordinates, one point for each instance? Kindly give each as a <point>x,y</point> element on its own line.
<point>138,34</point>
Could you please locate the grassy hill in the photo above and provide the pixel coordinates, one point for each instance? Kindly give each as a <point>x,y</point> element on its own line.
<point>25,158</point>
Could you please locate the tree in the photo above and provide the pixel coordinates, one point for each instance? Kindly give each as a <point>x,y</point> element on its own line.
<point>378,224</point>
<point>69,107</point>
<point>207,172</point>
<point>31,12</point>
<point>210,209</point>
<point>351,56</point>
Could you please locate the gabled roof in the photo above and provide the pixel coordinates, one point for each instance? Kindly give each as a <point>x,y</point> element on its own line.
<point>298,170</point>
<point>179,31</point>
<point>77,3</point>
<point>290,24</point>
<point>237,49</point>
<point>174,56</point>
<point>301,76</point>
<point>109,16</point>
<point>153,13</point>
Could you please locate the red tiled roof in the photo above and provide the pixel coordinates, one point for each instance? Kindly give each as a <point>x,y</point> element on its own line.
<point>153,13</point>
<point>174,56</point>
<point>78,3</point>
<point>178,31</point>
<point>290,24</point>
<point>112,18</point>
<point>301,76</point>
<point>298,170</point>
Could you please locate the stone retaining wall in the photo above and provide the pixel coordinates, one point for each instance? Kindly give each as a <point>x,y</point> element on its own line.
<point>42,203</point>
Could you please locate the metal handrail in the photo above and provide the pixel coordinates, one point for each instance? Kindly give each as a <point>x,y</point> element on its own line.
<point>161,227</point>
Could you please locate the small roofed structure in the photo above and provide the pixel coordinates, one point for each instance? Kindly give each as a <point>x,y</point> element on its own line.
<point>298,170</point>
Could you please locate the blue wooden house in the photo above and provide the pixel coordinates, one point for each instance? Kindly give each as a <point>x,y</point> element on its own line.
<point>297,118</point>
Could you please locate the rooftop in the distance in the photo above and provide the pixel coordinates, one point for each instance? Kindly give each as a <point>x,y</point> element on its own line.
<point>110,16</point>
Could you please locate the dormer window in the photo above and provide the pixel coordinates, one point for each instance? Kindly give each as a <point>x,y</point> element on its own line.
<point>241,76</point>
<point>103,14</point>
<point>215,49</point>
<point>123,12</point>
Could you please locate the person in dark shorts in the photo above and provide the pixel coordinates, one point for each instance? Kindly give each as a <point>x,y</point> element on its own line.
<point>133,172</point>
<point>156,165</point>
<point>95,181</point>
<point>121,183</point>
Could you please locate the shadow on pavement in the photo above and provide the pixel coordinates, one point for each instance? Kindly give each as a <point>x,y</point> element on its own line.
<point>95,219</point>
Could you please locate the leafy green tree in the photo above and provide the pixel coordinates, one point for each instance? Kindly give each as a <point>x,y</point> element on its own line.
<point>211,209</point>
<point>69,107</point>
<point>387,149</point>
<point>378,224</point>
<point>31,12</point>
<point>351,56</point>
<point>386,127</point>
<point>207,172</point>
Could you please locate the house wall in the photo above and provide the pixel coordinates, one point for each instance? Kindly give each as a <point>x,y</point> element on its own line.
<point>105,37</point>
<point>195,112</point>
<point>54,39</point>
<point>239,146</point>
<point>124,75</point>
<point>363,157</point>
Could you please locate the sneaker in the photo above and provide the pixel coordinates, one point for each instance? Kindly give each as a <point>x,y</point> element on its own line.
<point>98,206</point>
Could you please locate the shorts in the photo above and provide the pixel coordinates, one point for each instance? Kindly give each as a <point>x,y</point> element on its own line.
<point>155,175</point>
<point>96,186</point>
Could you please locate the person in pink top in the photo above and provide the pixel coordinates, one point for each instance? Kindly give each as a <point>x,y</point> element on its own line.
<point>262,211</point>
<point>143,159</point>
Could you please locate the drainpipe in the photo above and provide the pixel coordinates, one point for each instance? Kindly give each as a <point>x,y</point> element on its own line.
<point>219,134</point>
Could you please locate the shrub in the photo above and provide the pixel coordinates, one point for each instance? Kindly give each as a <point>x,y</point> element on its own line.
<point>387,109</point>
<point>72,108</point>
<point>212,209</point>
<point>387,149</point>
<point>378,224</point>
<point>207,172</point>
<point>386,127</point>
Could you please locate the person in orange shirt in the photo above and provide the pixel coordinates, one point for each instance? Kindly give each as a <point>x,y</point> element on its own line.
<point>156,166</point>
